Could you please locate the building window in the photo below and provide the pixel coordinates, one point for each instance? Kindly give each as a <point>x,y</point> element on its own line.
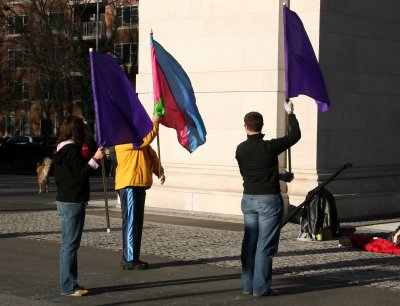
<point>44,94</point>
<point>25,90</point>
<point>19,90</point>
<point>25,124</point>
<point>10,124</point>
<point>76,88</point>
<point>16,58</point>
<point>126,53</point>
<point>17,24</point>
<point>53,55</point>
<point>57,20</point>
<point>127,16</point>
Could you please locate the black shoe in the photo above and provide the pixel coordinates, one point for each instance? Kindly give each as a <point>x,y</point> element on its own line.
<point>133,265</point>
<point>273,292</point>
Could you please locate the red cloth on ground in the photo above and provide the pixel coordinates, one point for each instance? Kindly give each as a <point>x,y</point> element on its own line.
<point>370,244</point>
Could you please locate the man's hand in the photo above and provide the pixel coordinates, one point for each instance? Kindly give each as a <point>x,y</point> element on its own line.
<point>155,119</point>
<point>288,105</point>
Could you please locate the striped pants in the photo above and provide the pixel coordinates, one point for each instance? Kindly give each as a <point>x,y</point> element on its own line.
<point>132,208</point>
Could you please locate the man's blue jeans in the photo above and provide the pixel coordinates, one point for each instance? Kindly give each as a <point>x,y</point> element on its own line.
<point>262,222</point>
<point>72,220</point>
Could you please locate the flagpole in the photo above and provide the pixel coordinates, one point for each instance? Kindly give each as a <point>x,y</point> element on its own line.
<point>159,153</point>
<point>103,170</point>
<point>158,132</point>
<point>289,154</point>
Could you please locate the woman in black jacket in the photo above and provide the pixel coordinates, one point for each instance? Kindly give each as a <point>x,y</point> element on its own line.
<point>72,172</point>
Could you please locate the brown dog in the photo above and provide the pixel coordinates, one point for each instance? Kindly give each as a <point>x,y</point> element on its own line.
<point>43,174</point>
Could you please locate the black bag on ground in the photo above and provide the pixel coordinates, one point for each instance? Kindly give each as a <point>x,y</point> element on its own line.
<point>320,215</point>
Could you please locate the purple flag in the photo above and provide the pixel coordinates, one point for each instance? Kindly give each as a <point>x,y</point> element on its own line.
<point>302,71</point>
<point>120,117</point>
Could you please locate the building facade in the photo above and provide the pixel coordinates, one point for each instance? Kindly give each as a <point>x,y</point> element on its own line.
<point>233,54</point>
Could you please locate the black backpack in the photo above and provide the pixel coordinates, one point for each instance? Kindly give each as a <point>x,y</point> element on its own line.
<point>320,217</point>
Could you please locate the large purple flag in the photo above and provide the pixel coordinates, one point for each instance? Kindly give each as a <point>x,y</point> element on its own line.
<point>120,117</point>
<point>302,70</point>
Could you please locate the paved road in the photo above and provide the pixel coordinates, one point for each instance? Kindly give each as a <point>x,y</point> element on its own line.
<point>193,261</point>
<point>20,192</point>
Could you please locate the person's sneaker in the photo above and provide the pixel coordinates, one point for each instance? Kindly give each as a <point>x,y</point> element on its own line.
<point>79,292</point>
<point>133,265</point>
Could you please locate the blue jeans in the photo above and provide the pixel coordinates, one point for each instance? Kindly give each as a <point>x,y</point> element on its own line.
<point>72,220</point>
<point>262,222</point>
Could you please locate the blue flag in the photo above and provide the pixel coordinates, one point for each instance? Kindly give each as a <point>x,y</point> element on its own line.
<point>302,70</point>
<point>120,117</point>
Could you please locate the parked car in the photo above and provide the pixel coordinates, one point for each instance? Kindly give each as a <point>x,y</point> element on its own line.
<point>19,139</point>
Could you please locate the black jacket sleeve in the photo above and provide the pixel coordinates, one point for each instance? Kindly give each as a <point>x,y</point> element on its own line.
<point>280,145</point>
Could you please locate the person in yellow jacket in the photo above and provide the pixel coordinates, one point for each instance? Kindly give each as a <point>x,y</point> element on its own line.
<point>133,176</point>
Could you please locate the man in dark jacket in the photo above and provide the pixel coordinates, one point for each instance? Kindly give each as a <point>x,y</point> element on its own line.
<point>262,203</point>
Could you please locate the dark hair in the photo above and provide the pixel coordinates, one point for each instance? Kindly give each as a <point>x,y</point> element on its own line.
<point>73,128</point>
<point>254,121</point>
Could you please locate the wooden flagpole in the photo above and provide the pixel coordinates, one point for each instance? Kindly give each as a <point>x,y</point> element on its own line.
<point>158,133</point>
<point>103,170</point>
<point>159,152</point>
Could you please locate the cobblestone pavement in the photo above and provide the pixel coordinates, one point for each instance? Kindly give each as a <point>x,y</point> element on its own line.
<point>324,260</point>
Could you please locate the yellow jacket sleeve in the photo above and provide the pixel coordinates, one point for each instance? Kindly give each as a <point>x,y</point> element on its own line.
<point>150,136</point>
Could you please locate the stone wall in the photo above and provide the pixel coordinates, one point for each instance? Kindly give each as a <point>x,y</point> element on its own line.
<point>233,54</point>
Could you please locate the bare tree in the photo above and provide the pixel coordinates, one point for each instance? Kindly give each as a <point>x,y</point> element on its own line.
<point>40,37</point>
<point>46,37</point>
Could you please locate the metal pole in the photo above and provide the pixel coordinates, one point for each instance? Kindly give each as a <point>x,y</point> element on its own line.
<point>97,25</point>
<point>311,194</point>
